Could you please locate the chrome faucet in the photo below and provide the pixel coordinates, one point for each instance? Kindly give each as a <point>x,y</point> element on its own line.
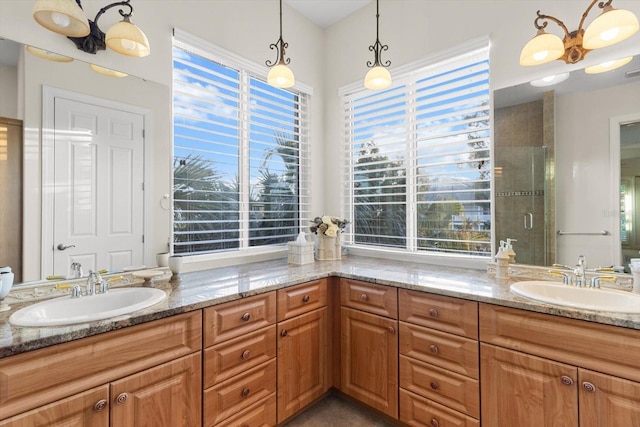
<point>92,281</point>
<point>76,268</point>
<point>580,271</point>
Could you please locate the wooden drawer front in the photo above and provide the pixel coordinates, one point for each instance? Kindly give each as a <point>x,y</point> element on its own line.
<point>74,411</point>
<point>417,411</point>
<point>262,414</point>
<point>453,390</point>
<point>301,299</point>
<point>608,401</point>
<point>234,395</point>
<point>453,315</point>
<point>42,376</point>
<point>451,352</point>
<point>236,318</point>
<point>376,299</point>
<point>604,348</point>
<point>224,360</point>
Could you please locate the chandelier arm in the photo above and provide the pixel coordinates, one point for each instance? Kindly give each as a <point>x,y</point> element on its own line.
<point>601,5</point>
<point>107,7</point>
<point>550,18</point>
<point>280,47</point>
<point>377,48</point>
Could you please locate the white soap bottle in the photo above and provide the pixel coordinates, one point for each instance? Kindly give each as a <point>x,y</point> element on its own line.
<point>510,252</point>
<point>502,262</point>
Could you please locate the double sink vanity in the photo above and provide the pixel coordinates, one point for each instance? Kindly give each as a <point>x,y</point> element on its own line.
<point>253,345</point>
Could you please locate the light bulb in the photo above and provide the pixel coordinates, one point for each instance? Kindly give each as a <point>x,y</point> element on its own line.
<point>539,56</point>
<point>609,34</point>
<point>60,19</point>
<point>128,44</point>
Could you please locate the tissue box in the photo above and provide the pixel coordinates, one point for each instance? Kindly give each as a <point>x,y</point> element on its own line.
<point>300,252</point>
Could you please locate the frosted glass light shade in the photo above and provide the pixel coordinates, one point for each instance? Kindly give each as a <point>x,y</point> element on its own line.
<point>106,71</point>
<point>611,27</point>
<point>49,56</point>
<point>550,80</point>
<point>377,78</point>
<point>127,39</point>
<point>608,66</point>
<point>543,48</point>
<point>281,76</point>
<point>61,16</point>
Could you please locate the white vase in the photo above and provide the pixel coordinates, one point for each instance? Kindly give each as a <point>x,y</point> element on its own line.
<point>328,248</point>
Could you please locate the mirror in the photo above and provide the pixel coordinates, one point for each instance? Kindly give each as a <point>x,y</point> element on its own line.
<point>582,216</point>
<point>22,78</point>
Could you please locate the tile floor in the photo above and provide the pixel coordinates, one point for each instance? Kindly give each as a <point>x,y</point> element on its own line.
<point>336,411</point>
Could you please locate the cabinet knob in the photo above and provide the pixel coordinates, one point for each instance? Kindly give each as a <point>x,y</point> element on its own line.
<point>283,333</point>
<point>566,380</point>
<point>391,330</point>
<point>122,397</point>
<point>434,385</point>
<point>433,312</point>
<point>434,349</point>
<point>434,423</point>
<point>246,354</point>
<point>245,392</point>
<point>100,405</point>
<point>305,298</point>
<point>246,317</point>
<point>588,387</point>
<point>364,297</point>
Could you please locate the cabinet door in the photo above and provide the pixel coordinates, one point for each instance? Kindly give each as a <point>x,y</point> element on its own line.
<point>608,401</point>
<point>81,410</point>
<point>370,359</point>
<point>302,362</point>
<point>527,391</point>
<point>168,395</point>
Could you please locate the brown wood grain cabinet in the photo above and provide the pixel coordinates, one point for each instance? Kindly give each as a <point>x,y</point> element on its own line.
<point>303,371</point>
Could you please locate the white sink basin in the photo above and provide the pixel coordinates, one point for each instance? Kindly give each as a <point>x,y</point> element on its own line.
<point>67,310</point>
<point>610,300</point>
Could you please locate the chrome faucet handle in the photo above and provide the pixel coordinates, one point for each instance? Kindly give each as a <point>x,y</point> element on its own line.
<point>104,286</point>
<point>566,279</point>
<point>76,291</point>
<point>595,280</point>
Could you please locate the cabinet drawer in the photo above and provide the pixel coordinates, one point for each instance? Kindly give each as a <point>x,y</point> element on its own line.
<point>238,393</point>
<point>41,376</point>
<point>453,390</point>
<point>375,299</point>
<point>301,299</point>
<point>417,411</point>
<point>451,352</point>
<point>224,360</point>
<point>604,348</point>
<point>236,318</point>
<point>453,315</point>
<point>262,414</point>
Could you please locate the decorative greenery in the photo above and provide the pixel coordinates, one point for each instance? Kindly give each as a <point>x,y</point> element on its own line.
<point>328,225</point>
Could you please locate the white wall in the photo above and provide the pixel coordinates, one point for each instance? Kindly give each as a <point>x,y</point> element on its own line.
<point>8,91</point>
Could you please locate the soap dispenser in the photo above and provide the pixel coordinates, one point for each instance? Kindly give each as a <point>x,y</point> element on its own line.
<point>502,262</point>
<point>510,252</point>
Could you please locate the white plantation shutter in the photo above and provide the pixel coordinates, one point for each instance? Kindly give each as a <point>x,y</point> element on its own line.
<point>241,155</point>
<point>418,159</point>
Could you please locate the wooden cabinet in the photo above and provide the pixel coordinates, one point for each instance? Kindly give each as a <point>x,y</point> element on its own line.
<point>369,345</point>
<point>439,370</point>
<point>303,372</point>
<point>541,370</point>
<point>121,375</point>
<point>239,362</point>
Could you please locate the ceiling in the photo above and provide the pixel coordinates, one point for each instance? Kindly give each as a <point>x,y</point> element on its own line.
<point>325,13</point>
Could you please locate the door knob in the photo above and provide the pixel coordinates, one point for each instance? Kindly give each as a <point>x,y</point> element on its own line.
<point>62,246</point>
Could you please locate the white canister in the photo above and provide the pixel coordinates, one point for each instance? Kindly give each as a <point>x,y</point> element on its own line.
<point>162,259</point>
<point>175,264</point>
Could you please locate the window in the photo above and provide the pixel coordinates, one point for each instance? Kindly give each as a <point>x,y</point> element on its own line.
<point>240,155</point>
<point>418,160</point>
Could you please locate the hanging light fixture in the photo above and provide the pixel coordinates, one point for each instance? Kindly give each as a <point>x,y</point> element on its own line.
<point>280,75</point>
<point>378,77</point>
<point>66,17</point>
<point>611,27</point>
<point>106,71</point>
<point>49,56</point>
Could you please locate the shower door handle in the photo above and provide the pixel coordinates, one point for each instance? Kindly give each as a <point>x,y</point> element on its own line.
<point>528,221</point>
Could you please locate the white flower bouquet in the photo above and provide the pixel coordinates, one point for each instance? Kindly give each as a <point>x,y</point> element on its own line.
<point>328,225</point>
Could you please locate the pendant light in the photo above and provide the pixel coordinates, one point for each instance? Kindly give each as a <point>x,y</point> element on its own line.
<point>378,76</point>
<point>280,75</point>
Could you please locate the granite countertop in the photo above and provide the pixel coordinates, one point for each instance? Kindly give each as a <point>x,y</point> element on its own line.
<point>205,288</point>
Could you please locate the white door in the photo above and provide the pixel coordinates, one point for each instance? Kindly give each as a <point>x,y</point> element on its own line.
<point>98,208</point>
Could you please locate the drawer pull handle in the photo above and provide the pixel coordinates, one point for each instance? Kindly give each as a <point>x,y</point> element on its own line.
<point>434,349</point>
<point>391,330</point>
<point>283,333</point>
<point>305,298</point>
<point>246,317</point>
<point>434,423</point>
<point>434,385</point>
<point>122,397</point>
<point>245,392</point>
<point>433,312</point>
<point>588,387</point>
<point>246,354</point>
<point>100,405</point>
<point>566,380</point>
<point>364,297</point>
